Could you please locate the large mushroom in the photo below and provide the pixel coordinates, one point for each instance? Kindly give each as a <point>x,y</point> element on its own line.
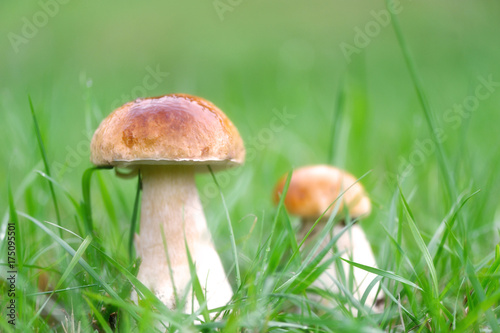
<point>313,190</point>
<point>168,139</point>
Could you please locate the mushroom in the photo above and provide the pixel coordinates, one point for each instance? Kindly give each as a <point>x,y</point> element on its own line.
<point>311,192</point>
<point>168,139</point>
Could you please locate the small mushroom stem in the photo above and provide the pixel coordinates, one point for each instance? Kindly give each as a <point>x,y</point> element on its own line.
<point>355,247</point>
<point>171,205</point>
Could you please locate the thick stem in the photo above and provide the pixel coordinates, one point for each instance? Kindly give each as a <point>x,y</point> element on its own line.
<point>171,205</point>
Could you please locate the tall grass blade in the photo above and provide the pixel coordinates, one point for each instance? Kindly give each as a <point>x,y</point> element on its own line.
<point>198,291</point>
<point>102,322</point>
<point>330,222</point>
<point>309,265</point>
<point>74,202</point>
<point>291,234</point>
<point>383,273</point>
<point>138,285</point>
<point>86,203</point>
<point>170,270</point>
<point>398,303</point>
<point>72,252</point>
<point>335,128</point>
<point>108,202</point>
<point>19,253</point>
<point>311,273</point>
<point>59,291</point>
<point>231,232</point>
<point>141,312</point>
<point>133,224</point>
<point>481,295</point>
<point>41,146</point>
<point>428,113</point>
<point>475,315</point>
<point>77,256</point>
<point>275,221</point>
<point>421,245</point>
<point>5,326</point>
<point>447,224</point>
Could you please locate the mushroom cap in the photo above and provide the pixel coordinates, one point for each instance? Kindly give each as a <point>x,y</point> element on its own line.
<point>314,188</point>
<point>172,129</point>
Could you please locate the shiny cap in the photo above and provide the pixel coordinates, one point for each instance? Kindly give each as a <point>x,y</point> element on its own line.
<point>313,188</point>
<point>170,129</point>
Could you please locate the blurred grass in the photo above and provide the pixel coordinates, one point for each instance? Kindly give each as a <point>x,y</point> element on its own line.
<point>262,57</point>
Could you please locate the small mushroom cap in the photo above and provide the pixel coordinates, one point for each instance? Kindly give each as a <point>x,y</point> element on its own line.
<point>313,189</point>
<point>170,129</point>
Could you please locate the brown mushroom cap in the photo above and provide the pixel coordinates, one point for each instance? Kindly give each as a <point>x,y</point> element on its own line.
<point>170,129</point>
<point>313,188</point>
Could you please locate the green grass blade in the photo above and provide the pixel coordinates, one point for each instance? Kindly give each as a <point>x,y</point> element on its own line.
<point>72,252</point>
<point>18,235</point>
<point>309,265</point>
<point>41,146</point>
<point>86,203</point>
<point>139,286</point>
<point>399,234</point>
<point>78,255</point>
<point>311,273</point>
<point>352,301</point>
<point>335,131</point>
<point>475,315</point>
<point>369,288</point>
<point>231,232</point>
<point>481,295</point>
<point>286,326</point>
<point>21,187</point>
<point>448,224</point>
<point>266,263</point>
<point>383,273</point>
<point>5,326</point>
<point>59,291</point>
<point>142,289</point>
<point>73,201</point>
<point>133,223</point>
<point>198,291</point>
<point>104,324</point>
<point>398,303</point>
<point>422,97</point>
<point>170,270</point>
<point>330,222</point>
<point>311,260</point>
<point>402,254</point>
<point>108,202</point>
<point>492,271</point>
<point>421,245</point>
<point>291,234</point>
<point>142,312</point>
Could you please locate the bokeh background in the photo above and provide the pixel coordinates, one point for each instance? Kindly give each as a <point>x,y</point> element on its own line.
<point>78,60</point>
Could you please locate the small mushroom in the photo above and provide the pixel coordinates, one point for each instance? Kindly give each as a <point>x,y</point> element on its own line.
<point>311,192</point>
<point>168,139</point>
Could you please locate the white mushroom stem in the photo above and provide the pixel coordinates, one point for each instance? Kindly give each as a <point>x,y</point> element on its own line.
<point>170,202</point>
<point>355,247</point>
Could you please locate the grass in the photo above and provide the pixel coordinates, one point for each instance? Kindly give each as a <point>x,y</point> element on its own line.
<point>435,229</point>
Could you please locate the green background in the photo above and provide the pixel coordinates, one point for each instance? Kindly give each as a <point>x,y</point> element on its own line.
<point>250,58</point>
<point>91,56</point>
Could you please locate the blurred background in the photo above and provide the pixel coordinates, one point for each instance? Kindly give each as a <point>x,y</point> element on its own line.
<point>304,82</point>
